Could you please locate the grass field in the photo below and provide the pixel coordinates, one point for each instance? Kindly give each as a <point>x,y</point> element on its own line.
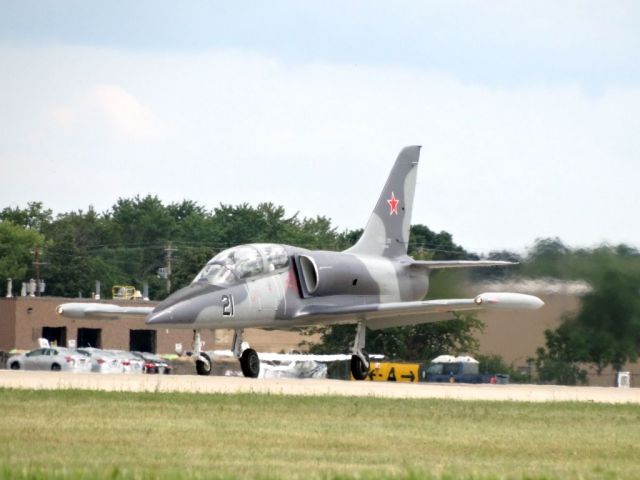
<point>78,434</point>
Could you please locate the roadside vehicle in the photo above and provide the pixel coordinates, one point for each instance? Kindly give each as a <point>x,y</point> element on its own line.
<point>129,363</point>
<point>102,361</point>
<point>153,363</point>
<point>462,369</point>
<point>55,359</point>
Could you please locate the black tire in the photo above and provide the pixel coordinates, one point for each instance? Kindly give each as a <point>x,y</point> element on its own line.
<point>201,367</point>
<point>55,367</point>
<point>250,363</point>
<point>15,366</point>
<point>358,369</point>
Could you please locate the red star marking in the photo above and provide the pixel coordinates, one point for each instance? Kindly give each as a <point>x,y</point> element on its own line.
<point>393,203</point>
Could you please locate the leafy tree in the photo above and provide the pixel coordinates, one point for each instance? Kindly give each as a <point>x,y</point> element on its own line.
<point>490,364</point>
<point>548,258</point>
<point>185,209</point>
<point>609,321</point>
<point>424,244</point>
<point>604,332</point>
<point>455,337</point>
<point>188,263</point>
<point>551,258</point>
<point>498,273</point>
<point>73,243</point>
<point>70,267</point>
<point>194,224</point>
<point>557,362</point>
<point>141,228</point>
<point>348,238</point>
<point>34,217</point>
<point>139,221</point>
<point>246,224</point>
<point>16,246</point>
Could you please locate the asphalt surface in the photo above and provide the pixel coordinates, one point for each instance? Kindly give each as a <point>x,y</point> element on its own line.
<point>198,384</point>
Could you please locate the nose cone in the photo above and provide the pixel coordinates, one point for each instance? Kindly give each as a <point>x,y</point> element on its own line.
<point>181,308</point>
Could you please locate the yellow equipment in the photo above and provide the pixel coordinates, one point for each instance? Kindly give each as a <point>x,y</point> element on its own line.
<point>393,372</point>
<point>125,292</point>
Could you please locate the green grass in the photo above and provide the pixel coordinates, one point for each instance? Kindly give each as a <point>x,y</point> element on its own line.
<point>78,434</point>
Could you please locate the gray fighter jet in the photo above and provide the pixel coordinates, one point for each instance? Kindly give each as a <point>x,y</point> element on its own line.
<point>373,284</point>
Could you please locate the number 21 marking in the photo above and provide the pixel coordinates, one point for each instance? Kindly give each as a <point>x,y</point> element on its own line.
<point>227,305</point>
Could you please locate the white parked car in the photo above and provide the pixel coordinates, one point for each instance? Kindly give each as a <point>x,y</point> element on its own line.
<point>102,361</point>
<point>128,361</point>
<point>56,359</point>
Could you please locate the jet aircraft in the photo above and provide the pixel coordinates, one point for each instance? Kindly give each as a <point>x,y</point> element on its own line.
<point>374,284</point>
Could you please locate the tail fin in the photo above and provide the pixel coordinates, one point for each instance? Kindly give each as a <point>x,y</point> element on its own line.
<point>387,231</point>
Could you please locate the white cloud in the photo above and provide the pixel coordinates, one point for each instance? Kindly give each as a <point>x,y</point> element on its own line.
<point>110,107</point>
<point>500,166</point>
<point>122,110</point>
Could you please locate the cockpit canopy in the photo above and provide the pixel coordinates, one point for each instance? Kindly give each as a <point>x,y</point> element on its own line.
<point>240,263</point>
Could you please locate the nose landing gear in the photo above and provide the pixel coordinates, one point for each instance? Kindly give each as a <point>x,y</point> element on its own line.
<point>203,361</point>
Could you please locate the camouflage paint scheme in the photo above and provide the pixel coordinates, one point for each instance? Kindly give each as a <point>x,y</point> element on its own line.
<point>374,283</point>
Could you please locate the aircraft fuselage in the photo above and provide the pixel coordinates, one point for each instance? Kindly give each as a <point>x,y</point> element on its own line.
<point>274,298</point>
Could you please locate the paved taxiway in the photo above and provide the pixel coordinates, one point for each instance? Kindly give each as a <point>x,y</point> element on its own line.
<point>194,383</point>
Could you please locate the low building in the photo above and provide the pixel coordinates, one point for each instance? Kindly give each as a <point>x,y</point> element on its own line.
<point>23,320</point>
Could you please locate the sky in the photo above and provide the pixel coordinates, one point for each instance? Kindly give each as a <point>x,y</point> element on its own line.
<point>528,112</point>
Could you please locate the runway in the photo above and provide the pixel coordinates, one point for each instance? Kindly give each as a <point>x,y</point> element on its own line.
<point>230,385</point>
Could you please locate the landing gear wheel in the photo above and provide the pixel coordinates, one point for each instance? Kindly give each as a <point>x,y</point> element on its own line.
<point>250,363</point>
<point>203,367</point>
<point>358,369</point>
<point>55,367</point>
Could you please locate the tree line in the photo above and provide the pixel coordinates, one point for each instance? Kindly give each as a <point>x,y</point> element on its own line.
<point>129,243</point>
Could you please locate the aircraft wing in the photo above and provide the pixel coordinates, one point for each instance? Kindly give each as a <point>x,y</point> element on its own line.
<point>385,315</point>
<point>438,264</point>
<point>102,311</point>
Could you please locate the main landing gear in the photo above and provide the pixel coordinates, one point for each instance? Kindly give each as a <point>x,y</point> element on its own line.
<point>359,360</point>
<point>249,361</point>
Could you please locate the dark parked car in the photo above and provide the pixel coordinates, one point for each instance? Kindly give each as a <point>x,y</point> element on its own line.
<point>153,363</point>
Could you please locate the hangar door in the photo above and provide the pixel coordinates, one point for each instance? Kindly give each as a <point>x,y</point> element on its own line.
<point>56,335</point>
<point>142,341</point>
<point>89,337</point>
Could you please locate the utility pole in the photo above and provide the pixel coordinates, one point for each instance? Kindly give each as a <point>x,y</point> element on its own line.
<point>37,263</point>
<point>168,251</point>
